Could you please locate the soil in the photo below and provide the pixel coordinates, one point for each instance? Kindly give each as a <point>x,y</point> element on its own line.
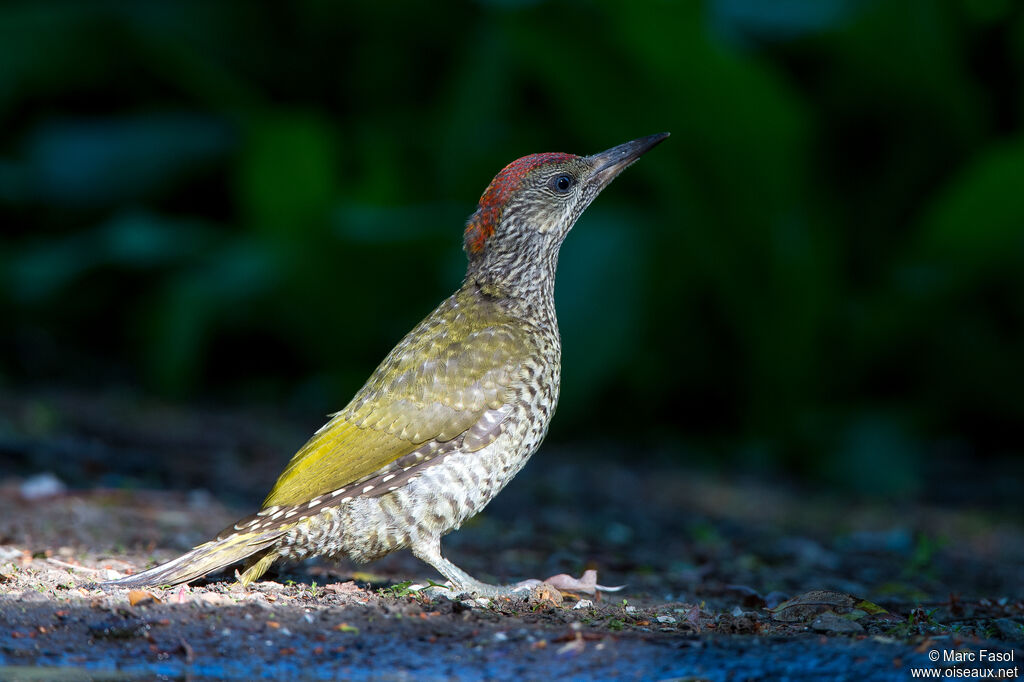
<point>724,579</point>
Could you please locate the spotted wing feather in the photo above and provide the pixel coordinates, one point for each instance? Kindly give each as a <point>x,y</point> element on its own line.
<point>445,385</point>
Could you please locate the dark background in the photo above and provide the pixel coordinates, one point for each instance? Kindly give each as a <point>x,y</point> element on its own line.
<point>819,276</point>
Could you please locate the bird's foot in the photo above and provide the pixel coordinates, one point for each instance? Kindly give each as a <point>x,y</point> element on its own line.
<point>561,582</point>
<point>477,589</point>
<point>460,582</point>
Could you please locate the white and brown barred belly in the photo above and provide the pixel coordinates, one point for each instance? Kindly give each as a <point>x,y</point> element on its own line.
<point>438,495</point>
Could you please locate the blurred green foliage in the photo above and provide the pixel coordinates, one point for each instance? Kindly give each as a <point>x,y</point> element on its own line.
<point>823,268</point>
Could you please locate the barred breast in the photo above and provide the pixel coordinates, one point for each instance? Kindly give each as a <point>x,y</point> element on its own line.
<point>448,489</point>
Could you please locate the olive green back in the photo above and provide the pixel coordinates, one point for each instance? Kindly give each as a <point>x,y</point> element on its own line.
<point>448,375</point>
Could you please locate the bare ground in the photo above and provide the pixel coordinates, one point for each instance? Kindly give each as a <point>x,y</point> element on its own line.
<point>725,580</point>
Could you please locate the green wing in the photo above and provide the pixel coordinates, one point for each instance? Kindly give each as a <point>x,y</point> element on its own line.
<point>448,379</point>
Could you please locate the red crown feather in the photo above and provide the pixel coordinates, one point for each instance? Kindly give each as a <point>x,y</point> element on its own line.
<point>483,222</point>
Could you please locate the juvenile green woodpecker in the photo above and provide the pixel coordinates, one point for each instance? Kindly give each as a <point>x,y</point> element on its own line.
<point>452,413</point>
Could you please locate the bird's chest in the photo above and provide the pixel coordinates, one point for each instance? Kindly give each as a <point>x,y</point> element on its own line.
<point>530,411</point>
<point>465,482</point>
<point>534,403</point>
<point>460,483</point>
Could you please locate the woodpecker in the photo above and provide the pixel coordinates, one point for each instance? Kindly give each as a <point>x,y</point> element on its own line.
<point>452,413</point>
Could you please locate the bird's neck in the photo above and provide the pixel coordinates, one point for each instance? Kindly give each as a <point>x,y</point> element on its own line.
<point>523,283</point>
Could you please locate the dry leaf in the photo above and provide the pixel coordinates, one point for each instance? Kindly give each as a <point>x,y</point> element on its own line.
<point>806,606</point>
<point>692,617</point>
<point>587,584</point>
<point>574,646</point>
<point>349,587</point>
<point>136,597</point>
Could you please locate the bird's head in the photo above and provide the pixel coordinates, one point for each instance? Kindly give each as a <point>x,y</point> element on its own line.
<point>530,206</point>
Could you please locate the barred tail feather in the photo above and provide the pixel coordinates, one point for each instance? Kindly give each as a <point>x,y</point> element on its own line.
<point>204,559</point>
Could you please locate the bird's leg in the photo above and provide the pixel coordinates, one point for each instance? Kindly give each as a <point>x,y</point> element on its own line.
<point>256,566</point>
<point>429,550</point>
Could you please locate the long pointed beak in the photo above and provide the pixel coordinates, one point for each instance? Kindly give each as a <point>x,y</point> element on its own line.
<point>610,163</point>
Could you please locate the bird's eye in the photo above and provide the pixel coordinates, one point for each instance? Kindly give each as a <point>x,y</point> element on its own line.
<point>562,183</point>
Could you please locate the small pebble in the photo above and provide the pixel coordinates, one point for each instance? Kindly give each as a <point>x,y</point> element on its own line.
<point>666,619</point>
<point>42,486</point>
<point>9,553</point>
<point>583,604</point>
